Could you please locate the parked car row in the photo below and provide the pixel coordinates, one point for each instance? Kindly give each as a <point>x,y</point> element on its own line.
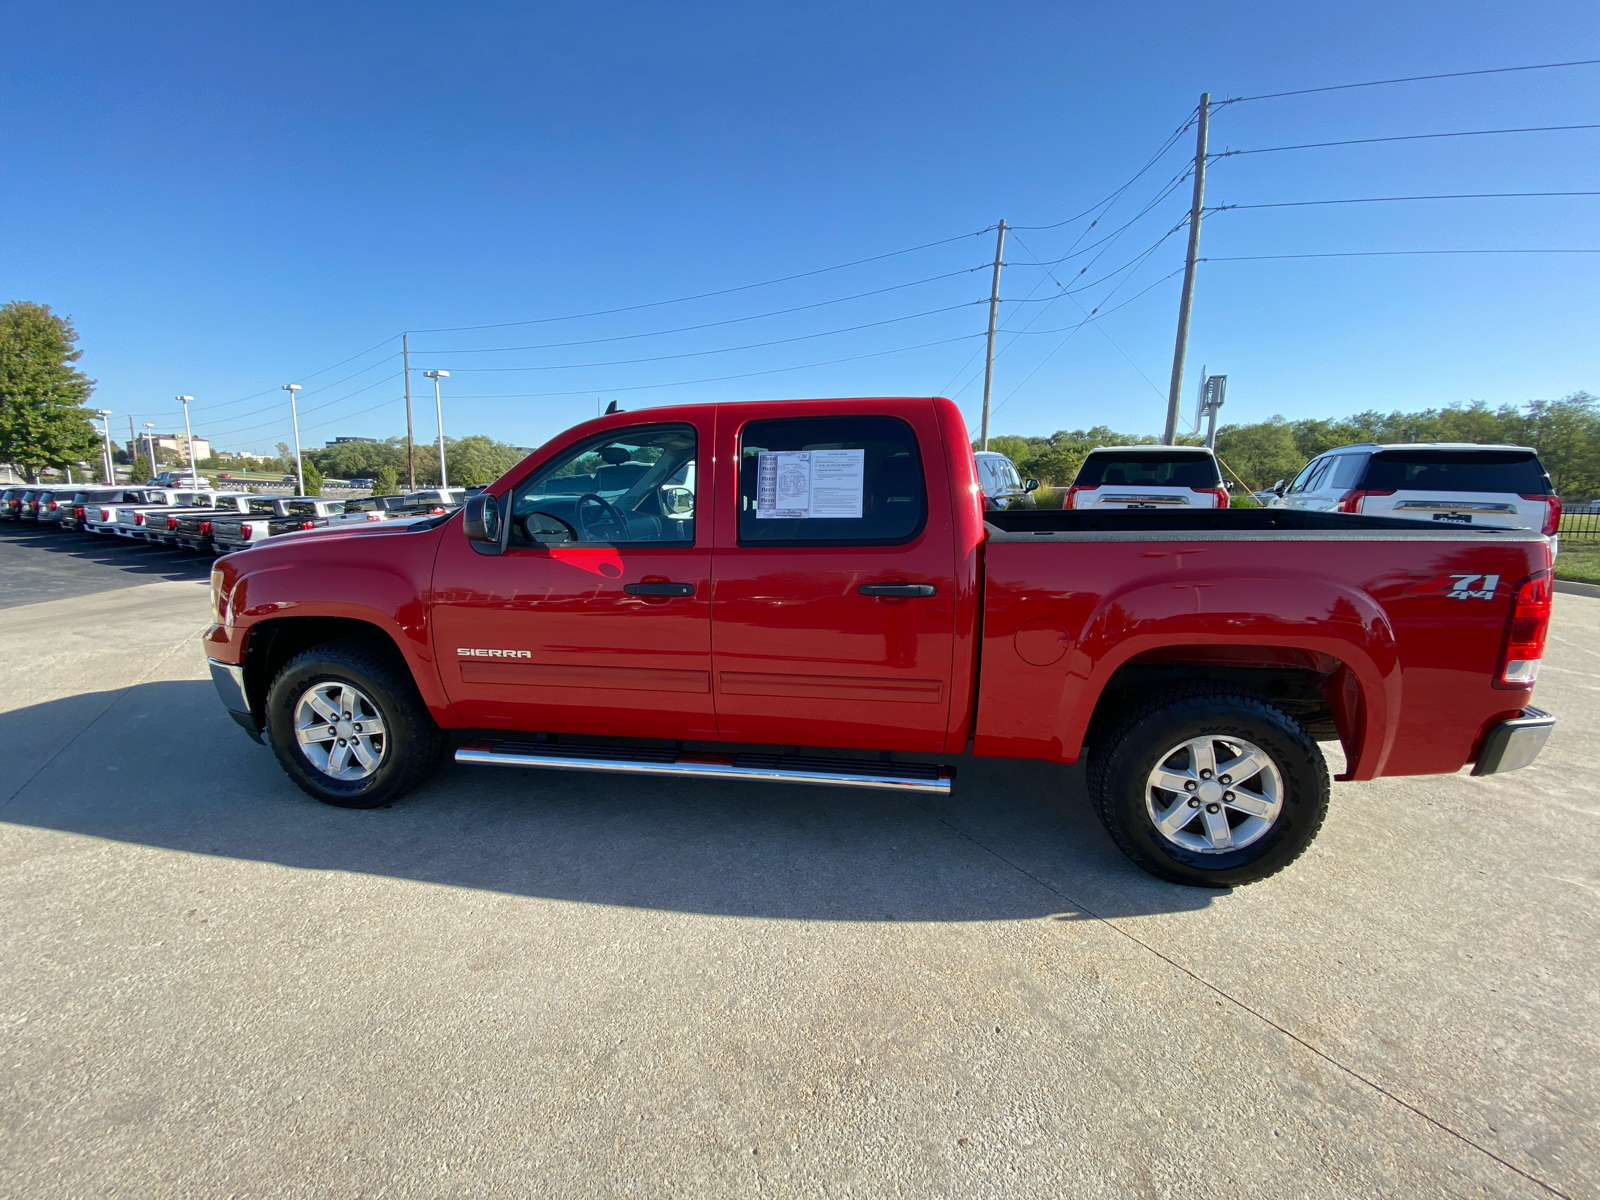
<point>1501,487</point>
<point>206,521</point>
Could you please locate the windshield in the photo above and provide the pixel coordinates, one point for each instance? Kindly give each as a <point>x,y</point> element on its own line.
<point>1148,468</point>
<point>1508,472</point>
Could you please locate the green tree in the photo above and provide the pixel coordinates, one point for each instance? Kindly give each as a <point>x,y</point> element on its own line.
<point>42,419</point>
<point>387,481</point>
<point>478,459</point>
<point>1261,453</point>
<point>141,469</point>
<point>313,477</point>
<point>1566,433</point>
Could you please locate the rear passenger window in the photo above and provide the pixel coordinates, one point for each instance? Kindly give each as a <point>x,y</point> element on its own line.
<point>1347,470</point>
<point>830,481</point>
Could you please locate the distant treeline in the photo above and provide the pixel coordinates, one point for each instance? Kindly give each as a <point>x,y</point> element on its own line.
<point>468,461</point>
<point>1566,433</point>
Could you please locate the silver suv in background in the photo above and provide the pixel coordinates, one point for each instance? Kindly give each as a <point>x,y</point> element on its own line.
<point>1457,483</point>
<point>1163,478</point>
<point>1002,486</point>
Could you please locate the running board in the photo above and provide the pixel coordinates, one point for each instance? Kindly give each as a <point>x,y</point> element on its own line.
<point>766,768</point>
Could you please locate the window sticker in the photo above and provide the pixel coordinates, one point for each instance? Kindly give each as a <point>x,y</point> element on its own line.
<point>810,484</point>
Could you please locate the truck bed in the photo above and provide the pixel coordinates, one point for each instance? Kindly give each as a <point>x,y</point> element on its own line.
<point>1375,628</point>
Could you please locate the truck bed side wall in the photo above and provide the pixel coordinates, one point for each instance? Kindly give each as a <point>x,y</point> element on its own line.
<point>1406,668</point>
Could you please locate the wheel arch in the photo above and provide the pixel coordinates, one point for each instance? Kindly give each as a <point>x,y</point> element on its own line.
<point>272,643</point>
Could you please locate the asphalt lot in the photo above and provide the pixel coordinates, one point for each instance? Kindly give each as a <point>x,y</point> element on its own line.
<point>540,984</point>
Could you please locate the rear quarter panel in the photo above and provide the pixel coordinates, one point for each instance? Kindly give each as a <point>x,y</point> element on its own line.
<point>1062,612</point>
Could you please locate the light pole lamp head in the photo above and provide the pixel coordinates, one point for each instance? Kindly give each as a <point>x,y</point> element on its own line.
<point>185,399</point>
<point>102,413</point>
<point>437,374</point>
<point>291,388</point>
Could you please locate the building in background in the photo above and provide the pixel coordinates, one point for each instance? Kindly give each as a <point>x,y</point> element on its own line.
<point>342,441</point>
<point>176,444</point>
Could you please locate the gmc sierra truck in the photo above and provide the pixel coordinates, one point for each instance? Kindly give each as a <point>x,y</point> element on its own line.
<point>723,590</point>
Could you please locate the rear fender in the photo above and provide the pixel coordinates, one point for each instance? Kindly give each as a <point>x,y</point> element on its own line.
<point>1316,614</point>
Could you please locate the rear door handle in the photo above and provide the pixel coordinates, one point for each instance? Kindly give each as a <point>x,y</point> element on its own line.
<point>659,589</point>
<point>896,589</point>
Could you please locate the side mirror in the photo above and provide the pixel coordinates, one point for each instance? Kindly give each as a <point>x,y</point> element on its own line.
<point>1030,485</point>
<point>480,520</point>
<point>1277,488</point>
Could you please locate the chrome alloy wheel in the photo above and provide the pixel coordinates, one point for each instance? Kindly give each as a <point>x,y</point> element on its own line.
<point>1214,794</point>
<point>340,731</point>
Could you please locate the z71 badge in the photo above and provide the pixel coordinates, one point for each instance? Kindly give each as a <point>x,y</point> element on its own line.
<point>1468,587</point>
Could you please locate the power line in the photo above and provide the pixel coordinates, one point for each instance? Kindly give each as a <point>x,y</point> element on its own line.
<point>625,337</point>
<point>1392,199</point>
<point>1340,87</point>
<point>1382,254</point>
<point>804,337</point>
<point>1157,157</point>
<point>640,387</point>
<point>1409,137</point>
<point>708,295</point>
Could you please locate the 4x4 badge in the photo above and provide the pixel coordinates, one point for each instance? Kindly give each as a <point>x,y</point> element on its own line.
<point>1463,588</point>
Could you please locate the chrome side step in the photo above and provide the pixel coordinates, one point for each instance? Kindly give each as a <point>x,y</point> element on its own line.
<point>767,768</point>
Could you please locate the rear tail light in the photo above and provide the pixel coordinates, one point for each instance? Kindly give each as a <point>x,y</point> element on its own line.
<point>1072,496</point>
<point>372,516</point>
<point>1552,516</point>
<point>54,506</point>
<point>1526,628</point>
<point>172,522</point>
<point>308,524</point>
<point>436,510</point>
<point>105,514</point>
<point>138,518</point>
<point>1351,501</point>
<point>1220,494</point>
<point>205,528</point>
<point>78,512</point>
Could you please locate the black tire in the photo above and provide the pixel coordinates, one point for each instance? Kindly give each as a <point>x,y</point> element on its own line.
<point>413,744</point>
<point>1122,763</point>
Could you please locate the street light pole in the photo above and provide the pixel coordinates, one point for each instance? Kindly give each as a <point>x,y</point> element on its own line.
<point>150,445</point>
<point>438,408</point>
<point>105,420</point>
<point>188,436</point>
<point>294,415</point>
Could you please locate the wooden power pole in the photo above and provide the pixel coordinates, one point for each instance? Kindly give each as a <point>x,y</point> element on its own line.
<point>1175,392</point>
<point>411,446</point>
<point>988,360</point>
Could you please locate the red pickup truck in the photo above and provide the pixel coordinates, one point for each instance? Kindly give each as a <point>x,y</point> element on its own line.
<point>723,590</point>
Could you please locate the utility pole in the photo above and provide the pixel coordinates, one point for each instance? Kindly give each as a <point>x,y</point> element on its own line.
<point>294,415</point>
<point>1175,392</point>
<point>105,422</point>
<point>188,435</point>
<point>133,448</point>
<point>411,446</point>
<point>438,407</point>
<point>988,358</point>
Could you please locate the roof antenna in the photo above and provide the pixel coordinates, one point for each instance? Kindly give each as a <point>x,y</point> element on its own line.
<point>612,408</point>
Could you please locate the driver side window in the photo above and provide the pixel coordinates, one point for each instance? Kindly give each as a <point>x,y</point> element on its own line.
<point>629,485</point>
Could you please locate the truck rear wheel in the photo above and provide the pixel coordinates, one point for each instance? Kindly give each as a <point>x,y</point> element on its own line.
<point>348,726</point>
<point>1210,787</point>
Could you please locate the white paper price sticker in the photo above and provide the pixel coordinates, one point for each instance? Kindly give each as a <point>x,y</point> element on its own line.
<point>810,484</point>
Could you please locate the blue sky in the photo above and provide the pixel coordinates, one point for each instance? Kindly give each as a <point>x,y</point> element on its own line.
<point>229,198</point>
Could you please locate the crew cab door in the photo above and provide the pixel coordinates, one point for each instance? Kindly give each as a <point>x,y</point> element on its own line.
<point>833,579</point>
<point>595,617</point>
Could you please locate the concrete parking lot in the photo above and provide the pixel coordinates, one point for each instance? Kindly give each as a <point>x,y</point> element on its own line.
<point>558,985</point>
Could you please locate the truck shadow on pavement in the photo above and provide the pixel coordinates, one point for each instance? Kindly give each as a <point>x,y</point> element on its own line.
<point>163,766</point>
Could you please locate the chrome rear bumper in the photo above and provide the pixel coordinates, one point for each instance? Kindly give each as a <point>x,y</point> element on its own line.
<point>1513,744</point>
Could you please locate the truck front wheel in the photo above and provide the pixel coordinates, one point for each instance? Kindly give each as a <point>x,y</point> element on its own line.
<point>348,726</point>
<point>1210,787</point>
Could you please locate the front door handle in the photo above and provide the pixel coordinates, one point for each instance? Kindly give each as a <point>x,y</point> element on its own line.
<point>659,589</point>
<point>896,589</point>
